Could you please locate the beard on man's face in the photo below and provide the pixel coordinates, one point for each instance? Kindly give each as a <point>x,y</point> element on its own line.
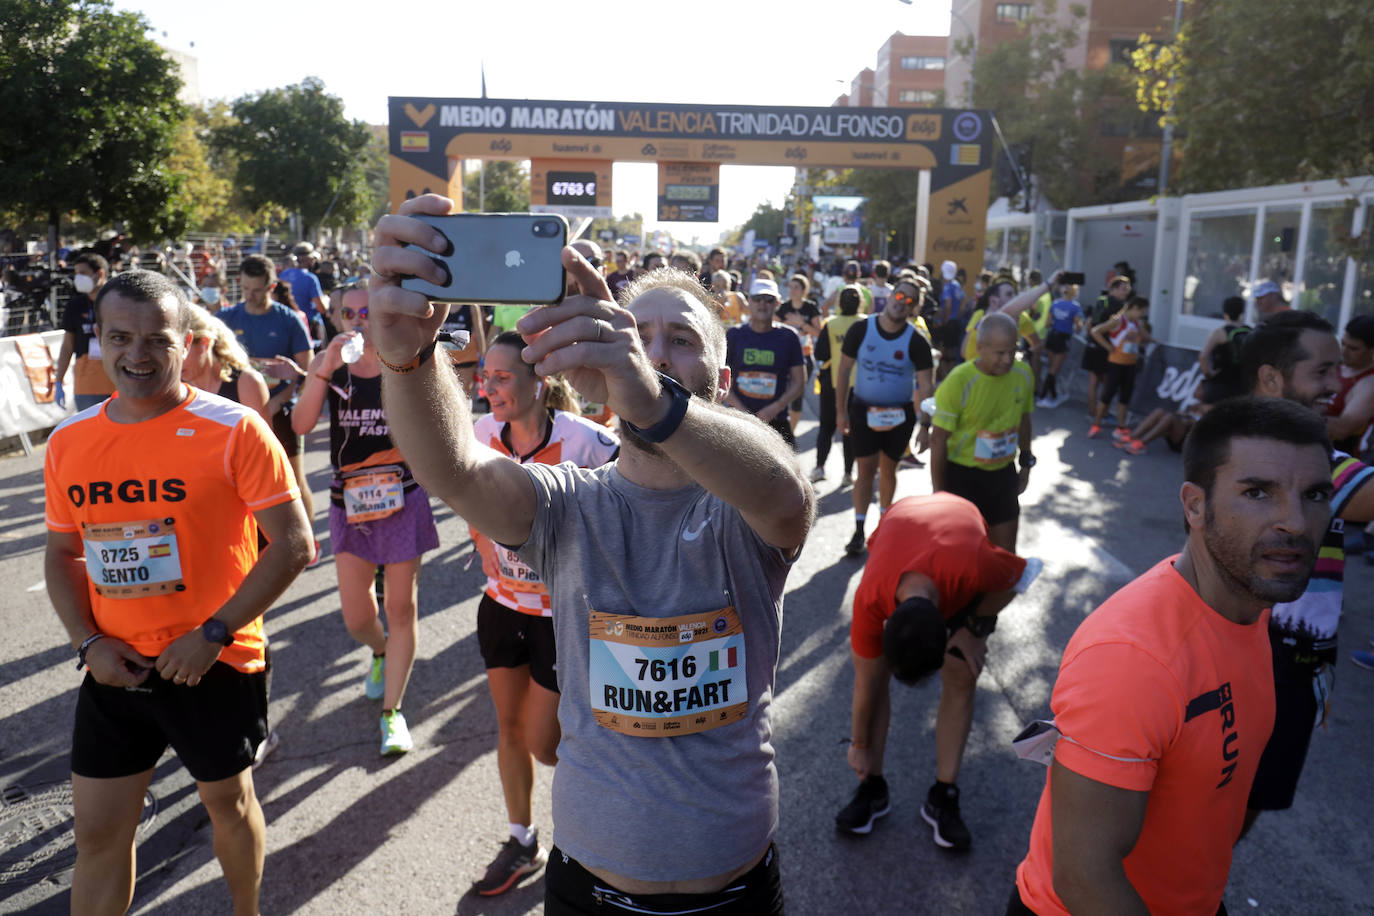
<point>706,391</point>
<point>1238,562</point>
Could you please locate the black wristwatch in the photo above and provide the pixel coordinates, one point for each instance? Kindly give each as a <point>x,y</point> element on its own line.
<point>1027,461</point>
<point>981,626</point>
<point>673,419</point>
<point>216,631</point>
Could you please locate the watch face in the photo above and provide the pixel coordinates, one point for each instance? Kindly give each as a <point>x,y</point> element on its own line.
<point>216,631</point>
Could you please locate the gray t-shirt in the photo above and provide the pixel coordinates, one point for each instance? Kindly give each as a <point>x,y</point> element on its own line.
<point>705,800</point>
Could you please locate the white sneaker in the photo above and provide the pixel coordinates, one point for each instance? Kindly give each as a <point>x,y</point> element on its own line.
<point>817,475</point>
<point>846,481</point>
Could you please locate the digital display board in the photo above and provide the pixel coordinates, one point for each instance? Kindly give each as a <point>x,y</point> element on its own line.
<point>571,187</point>
<point>575,188</point>
<point>689,192</point>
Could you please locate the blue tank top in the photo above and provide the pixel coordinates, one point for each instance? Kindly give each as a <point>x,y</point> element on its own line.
<point>884,374</point>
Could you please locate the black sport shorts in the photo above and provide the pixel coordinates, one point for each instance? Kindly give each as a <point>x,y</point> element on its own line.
<point>509,639</point>
<point>281,425</point>
<point>1058,341</point>
<point>1295,715</point>
<point>868,441</point>
<point>1095,359</point>
<point>571,890</point>
<point>215,727</point>
<point>993,492</point>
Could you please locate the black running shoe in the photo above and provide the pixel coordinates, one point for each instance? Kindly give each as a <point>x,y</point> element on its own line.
<point>869,803</point>
<point>941,812</point>
<point>512,863</point>
<point>855,547</point>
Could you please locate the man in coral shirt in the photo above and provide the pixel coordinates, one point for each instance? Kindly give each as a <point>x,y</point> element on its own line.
<point>1165,695</point>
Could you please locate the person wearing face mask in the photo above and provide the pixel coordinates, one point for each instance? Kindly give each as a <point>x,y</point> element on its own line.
<point>378,514</point>
<point>532,420</point>
<point>90,384</point>
<point>212,291</point>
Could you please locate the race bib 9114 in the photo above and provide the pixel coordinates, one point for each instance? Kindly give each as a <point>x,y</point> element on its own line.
<point>658,677</point>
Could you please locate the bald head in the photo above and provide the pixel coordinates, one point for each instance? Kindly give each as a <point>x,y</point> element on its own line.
<point>997,328</point>
<point>588,249</point>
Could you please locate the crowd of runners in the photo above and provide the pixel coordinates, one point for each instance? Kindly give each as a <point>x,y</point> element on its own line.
<point>626,462</point>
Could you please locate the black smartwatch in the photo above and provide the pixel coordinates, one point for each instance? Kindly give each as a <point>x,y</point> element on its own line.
<point>216,631</point>
<point>676,411</point>
<point>1027,461</point>
<point>981,626</point>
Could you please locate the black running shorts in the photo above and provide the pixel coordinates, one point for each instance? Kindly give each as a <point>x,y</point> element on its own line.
<point>1095,359</point>
<point>215,727</point>
<point>509,639</point>
<point>1057,342</point>
<point>993,492</point>
<point>281,425</point>
<point>571,890</point>
<point>868,441</point>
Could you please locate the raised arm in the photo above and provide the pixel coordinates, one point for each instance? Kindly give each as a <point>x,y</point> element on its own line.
<point>425,407</point>
<point>597,346</point>
<point>1027,297</point>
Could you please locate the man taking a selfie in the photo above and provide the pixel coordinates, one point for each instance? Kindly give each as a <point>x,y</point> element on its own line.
<point>665,569</point>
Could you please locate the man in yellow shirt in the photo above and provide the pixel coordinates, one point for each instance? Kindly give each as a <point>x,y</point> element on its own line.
<point>982,416</point>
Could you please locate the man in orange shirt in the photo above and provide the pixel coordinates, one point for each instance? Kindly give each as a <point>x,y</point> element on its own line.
<point>153,504</point>
<point>1165,695</point>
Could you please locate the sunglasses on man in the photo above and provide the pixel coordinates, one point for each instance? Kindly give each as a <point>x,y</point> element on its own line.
<point>769,299</point>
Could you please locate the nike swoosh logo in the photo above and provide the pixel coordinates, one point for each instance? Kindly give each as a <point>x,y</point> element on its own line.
<point>692,534</point>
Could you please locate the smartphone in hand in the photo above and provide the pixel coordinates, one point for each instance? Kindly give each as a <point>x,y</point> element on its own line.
<point>505,258</point>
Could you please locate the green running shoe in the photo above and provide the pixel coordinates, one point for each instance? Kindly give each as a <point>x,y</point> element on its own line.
<point>395,735</point>
<point>375,684</point>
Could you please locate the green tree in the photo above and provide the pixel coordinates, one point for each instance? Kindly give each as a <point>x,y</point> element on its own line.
<point>621,226</point>
<point>766,222</point>
<point>91,117</point>
<point>1265,91</point>
<point>294,149</point>
<point>507,188</point>
<point>1060,113</point>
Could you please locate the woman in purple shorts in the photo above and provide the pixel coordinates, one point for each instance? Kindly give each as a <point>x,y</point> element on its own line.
<point>378,514</point>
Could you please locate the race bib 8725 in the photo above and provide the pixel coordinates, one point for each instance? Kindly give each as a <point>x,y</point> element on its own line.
<point>133,559</point>
<point>658,677</point>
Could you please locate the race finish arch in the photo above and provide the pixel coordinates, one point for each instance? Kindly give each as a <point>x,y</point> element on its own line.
<point>951,148</point>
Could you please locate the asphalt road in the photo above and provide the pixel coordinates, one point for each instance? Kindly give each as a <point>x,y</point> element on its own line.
<point>349,832</point>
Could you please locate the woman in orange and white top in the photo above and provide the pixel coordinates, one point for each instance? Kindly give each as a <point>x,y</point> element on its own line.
<point>378,514</point>
<point>1123,336</point>
<point>531,420</point>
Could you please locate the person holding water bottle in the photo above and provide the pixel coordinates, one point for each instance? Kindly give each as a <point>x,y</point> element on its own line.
<point>378,514</point>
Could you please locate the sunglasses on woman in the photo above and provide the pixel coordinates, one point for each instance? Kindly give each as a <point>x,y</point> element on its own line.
<point>349,314</point>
